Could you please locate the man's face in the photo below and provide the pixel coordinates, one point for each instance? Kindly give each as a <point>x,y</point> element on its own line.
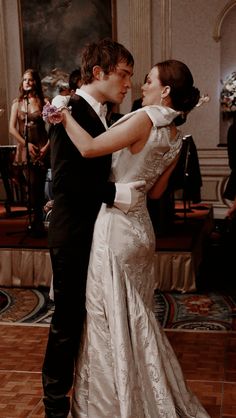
<point>114,86</point>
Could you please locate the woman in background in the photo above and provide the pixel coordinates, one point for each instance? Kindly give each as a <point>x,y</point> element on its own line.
<point>32,157</point>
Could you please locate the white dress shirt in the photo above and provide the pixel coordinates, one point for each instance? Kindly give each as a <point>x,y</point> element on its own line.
<point>100,109</point>
<point>60,100</point>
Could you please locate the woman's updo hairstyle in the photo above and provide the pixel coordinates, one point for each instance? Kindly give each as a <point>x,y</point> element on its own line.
<point>183,94</point>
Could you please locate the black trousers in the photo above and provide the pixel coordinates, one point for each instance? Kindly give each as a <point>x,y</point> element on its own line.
<point>69,267</point>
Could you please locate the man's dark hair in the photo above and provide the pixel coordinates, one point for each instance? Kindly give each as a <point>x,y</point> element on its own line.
<point>107,54</point>
<point>75,78</point>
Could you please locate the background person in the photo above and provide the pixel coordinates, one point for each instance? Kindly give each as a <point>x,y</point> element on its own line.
<point>74,82</point>
<point>230,190</point>
<point>26,125</point>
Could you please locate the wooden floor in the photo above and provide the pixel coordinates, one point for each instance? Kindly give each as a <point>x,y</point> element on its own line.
<point>208,361</point>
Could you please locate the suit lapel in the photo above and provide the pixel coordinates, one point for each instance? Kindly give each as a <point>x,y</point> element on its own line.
<point>84,113</point>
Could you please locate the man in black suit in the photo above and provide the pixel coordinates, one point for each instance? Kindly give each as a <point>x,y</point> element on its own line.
<point>80,186</point>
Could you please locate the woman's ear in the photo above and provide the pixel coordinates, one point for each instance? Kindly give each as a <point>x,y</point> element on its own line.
<point>165,92</point>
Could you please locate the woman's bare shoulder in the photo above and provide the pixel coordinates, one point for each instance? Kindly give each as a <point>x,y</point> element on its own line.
<point>15,102</point>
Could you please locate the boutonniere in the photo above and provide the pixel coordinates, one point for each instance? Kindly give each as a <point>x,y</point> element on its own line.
<point>52,114</point>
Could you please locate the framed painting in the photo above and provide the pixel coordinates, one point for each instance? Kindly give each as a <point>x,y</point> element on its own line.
<point>53,32</point>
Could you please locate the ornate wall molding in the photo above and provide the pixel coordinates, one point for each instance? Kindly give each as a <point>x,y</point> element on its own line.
<point>214,171</point>
<point>166,29</point>
<point>140,39</point>
<point>220,18</point>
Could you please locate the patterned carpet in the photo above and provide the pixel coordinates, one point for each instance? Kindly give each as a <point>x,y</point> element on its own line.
<point>212,311</point>
<point>25,306</point>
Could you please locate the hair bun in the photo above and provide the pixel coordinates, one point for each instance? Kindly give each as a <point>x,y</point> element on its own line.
<point>191,99</point>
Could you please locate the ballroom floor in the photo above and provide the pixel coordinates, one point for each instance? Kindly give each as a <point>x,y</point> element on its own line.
<point>208,361</point>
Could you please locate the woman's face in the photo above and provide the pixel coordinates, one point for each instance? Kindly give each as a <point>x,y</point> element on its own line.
<point>152,89</point>
<point>28,82</point>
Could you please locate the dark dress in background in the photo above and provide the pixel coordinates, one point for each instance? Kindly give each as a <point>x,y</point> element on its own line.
<point>230,190</point>
<point>30,175</point>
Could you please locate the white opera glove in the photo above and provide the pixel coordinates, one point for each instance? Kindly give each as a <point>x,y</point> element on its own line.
<point>128,195</point>
<point>60,101</point>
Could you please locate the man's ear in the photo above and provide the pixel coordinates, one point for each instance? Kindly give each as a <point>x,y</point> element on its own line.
<point>98,72</point>
<point>165,91</point>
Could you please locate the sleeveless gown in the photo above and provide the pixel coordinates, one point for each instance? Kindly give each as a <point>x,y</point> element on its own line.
<point>36,132</point>
<point>127,367</point>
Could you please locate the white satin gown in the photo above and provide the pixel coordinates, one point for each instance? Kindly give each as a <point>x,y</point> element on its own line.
<point>127,368</point>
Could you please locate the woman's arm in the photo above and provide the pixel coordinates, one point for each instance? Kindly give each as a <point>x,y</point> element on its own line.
<point>133,130</point>
<point>43,151</point>
<point>161,184</point>
<point>13,124</point>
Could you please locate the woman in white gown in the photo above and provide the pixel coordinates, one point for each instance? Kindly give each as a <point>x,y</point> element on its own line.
<point>127,368</point>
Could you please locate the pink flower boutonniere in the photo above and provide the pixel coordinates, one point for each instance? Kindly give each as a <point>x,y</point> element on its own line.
<point>52,114</point>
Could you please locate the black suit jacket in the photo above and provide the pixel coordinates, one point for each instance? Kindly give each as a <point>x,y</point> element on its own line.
<point>79,183</point>
<point>187,174</point>
<point>230,190</point>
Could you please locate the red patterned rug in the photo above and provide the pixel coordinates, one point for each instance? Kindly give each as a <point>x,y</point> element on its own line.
<point>211,311</point>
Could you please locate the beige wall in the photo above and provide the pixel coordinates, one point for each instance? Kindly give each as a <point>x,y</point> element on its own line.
<point>193,43</point>
<point>183,29</point>
<point>10,61</point>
